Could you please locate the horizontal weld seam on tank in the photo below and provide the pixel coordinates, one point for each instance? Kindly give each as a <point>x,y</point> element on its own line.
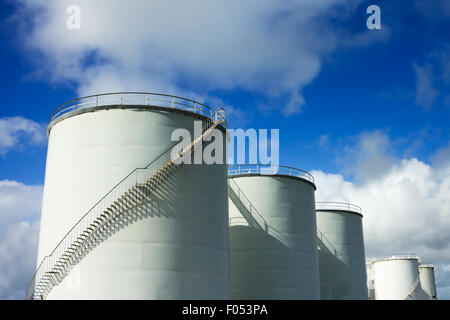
<point>295,268</point>
<point>224,275</point>
<point>207,222</point>
<point>270,286</point>
<point>296,251</point>
<point>206,248</point>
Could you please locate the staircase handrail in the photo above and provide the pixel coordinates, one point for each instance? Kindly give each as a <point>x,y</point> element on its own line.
<point>241,196</point>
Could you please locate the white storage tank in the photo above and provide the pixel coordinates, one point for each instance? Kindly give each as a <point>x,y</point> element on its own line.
<point>397,278</point>
<point>341,251</point>
<point>427,281</point>
<point>273,239</point>
<point>181,249</point>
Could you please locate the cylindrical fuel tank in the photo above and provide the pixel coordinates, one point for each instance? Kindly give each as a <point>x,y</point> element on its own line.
<point>273,237</point>
<point>427,281</point>
<point>341,251</point>
<point>181,250</point>
<point>396,278</point>
<point>370,282</point>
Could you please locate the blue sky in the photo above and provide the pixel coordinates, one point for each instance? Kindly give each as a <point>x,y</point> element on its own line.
<point>348,101</point>
<point>358,89</point>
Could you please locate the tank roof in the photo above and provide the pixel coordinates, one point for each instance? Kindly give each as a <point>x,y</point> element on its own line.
<point>426,265</point>
<point>269,170</point>
<point>395,257</point>
<point>338,206</point>
<point>124,100</point>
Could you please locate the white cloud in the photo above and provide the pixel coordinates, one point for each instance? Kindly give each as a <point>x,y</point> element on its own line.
<point>193,46</point>
<point>369,157</point>
<point>426,93</point>
<point>18,202</point>
<point>20,207</point>
<point>324,141</point>
<point>294,105</point>
<point>18,254</point>
<point>441,159</point>
<point>433,77</point>
<point>406,208</point>
<point>433,9</point>
<point>16,132</point>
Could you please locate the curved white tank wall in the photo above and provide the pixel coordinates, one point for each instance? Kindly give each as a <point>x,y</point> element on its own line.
<point>282,262</point>
<point>342,262</point>
<point>397,278</point>
<point>180,252</point>
<point>427,281</point>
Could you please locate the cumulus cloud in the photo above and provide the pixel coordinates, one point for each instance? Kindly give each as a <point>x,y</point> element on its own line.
<point>324,141</point>
<point>426,93</point>
<point>20,207</point>
<point>406,208</point>
<point>441,159</point>
<point>18,202</point>
<point>16,132</point>
<point>369,157</point>
<point>184,46</point>
<point>433,77</point>
<point>433,9</point>
<point>18,254</point>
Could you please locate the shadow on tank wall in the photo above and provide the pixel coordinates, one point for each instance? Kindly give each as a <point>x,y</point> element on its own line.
<point>327,257</point>
<point>245,250</point>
